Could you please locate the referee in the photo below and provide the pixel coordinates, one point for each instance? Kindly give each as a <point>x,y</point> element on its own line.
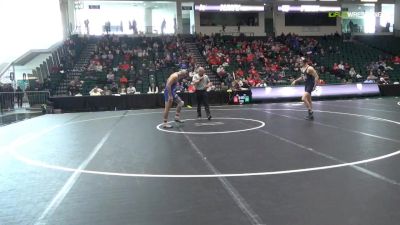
<point>201,82</point>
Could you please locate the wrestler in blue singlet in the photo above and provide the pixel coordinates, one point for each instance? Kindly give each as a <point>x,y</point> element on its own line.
<point>173,90</point>
<point>309,80</point>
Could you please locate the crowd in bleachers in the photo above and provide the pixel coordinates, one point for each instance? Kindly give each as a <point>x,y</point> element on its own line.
<point>71,50</point>
<point>357,63</point>
<point>118,62</point>
<point>144,63</point>
<point>386,43</point>
<point>253,62</point>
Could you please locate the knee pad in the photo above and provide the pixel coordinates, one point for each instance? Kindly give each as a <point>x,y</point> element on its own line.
<point>181,103</point>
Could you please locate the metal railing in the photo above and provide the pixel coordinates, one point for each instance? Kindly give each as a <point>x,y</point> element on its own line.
<point>28,99</point>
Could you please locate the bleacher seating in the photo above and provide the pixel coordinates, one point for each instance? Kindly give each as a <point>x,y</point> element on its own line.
<point>336,50</point>
<point>276,66</point>
<point>154,62</point>
<point>389,44</point>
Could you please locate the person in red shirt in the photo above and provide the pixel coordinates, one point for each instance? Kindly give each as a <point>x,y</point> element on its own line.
<point>213,60</point>
<point>251,82</point>
<point>257,81</point>
<point>347,66</point>
<point>191,89</point>
<point>396,60</point>
<point>250,57</point>
<point>218,61</point>
<point>125,66</point>
<point>274,67</point>
<point>335,68</point>
<point>123,80</point>
<point>239,72</point>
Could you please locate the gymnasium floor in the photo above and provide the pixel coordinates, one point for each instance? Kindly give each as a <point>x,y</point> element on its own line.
<point>253,164</point>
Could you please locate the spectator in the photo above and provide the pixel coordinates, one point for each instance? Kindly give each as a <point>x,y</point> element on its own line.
<point>352,72</point>
<point>322,70</point>
<point>152,84</point>
<point>96,91</point>
<point>123,80</point>
<point>245,85</point>
<point>122,90</point>
<point>239,72</point>
<point>396,60</point>
<point>221,72</point>
<point>163,26</point>
<point>107,27</point>
<point>20,95</point>
<point>262,84</point>
<point>131,89</point>
<point>99,67</point>
<point>110,56</point>
<point>229,80</point>
<point>106,91</point>
<point>124,66</point>
<point>371,78</point>
<point>346,66</point>
<point>114,88</point>
<point>341,66</point>
<point>110,77</point>
<point>133,26</point>
<point>224,87</point>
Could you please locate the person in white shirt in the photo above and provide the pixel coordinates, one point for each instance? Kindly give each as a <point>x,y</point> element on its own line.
<point>110,56</point>
<point>262,84</point>
<point>131,90</point>
<point>220,70</point>
<point>201,82</point>
<point>352,72</point>
<point>99,67</point>
<point>341,66</point>
<point>104,56</point>
<point>110,77</point>
<point>95,91</point>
